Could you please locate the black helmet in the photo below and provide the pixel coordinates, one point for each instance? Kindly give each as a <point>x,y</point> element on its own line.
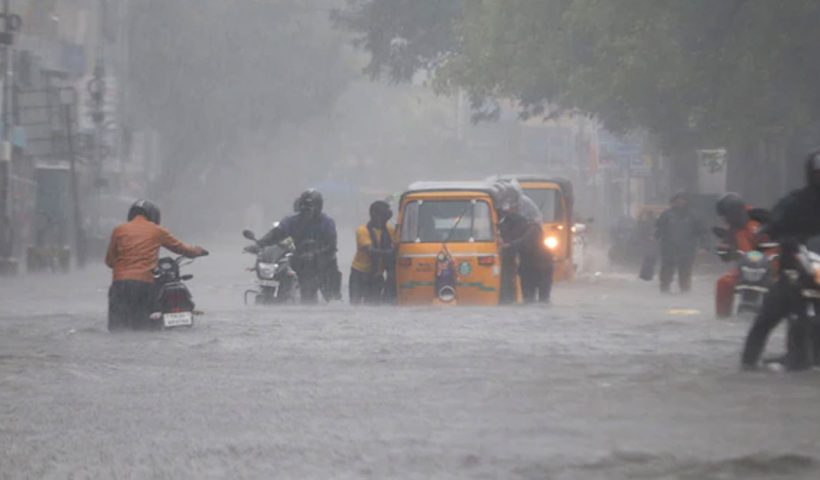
<point>310,203</point>
<point>146,209</point>
<point>380,212</point>
<point>813,169</point>
<point>732,207</point>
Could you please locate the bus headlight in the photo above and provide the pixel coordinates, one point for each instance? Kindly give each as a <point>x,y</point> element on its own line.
<point>551,242</point>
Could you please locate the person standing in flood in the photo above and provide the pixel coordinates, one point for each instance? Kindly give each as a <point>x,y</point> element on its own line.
<point>679,232</point>
<point>372,272</point>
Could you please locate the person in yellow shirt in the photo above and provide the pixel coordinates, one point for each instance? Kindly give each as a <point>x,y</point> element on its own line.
<point>371,274</point>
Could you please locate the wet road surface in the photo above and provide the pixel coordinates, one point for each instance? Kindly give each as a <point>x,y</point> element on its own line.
<point>611,381</point>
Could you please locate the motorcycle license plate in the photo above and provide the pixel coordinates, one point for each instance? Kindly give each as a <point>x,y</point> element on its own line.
<point>178,319</point>
<point>268,283</point>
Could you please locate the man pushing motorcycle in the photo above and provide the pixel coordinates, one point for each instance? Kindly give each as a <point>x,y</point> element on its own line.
<point>795,220</point>
<point>132,256</point>
<point>314,234</point>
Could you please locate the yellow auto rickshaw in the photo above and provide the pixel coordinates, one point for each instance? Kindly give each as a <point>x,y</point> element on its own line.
<point>448,250</point>
<point>554,198</point>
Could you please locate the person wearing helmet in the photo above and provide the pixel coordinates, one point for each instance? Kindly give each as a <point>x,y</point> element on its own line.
<point>740,237</point>
<point>794,219</point>
<point>132,255</point>
<point>679,231</point>
<point>314,234</point>
<point>372,270</point>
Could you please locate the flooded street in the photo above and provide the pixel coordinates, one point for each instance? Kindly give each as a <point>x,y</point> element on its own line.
<point>611,381</point>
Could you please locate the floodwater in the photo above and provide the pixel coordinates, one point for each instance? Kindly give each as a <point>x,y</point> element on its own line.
<point>611,381</point>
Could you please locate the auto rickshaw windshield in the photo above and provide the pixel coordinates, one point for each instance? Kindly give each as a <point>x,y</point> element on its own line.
<point>432,221</point>
<point>548,201</point>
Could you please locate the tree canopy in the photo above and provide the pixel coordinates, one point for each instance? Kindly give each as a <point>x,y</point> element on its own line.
<point>707,72</point>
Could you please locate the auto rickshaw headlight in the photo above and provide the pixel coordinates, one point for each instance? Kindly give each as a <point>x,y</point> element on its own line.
<point>551,242</point>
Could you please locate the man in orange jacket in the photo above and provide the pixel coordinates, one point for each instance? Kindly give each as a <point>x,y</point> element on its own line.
<point>743,232</point>
<point>132,256</point>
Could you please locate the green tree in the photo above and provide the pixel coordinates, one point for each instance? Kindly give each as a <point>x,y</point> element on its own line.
<point>696,73</point>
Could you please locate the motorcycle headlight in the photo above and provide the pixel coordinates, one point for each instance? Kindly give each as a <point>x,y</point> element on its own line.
<point>551,242</point>
<point>752,274</point>
<point>266,270</point>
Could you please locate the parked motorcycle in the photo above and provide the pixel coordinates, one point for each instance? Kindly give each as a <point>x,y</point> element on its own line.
<point>276,280</point>
<point>174,304</point>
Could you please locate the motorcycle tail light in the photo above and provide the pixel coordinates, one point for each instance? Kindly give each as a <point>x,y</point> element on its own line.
<point>176,297</point>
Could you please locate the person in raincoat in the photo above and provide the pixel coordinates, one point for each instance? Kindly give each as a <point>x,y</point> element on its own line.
<point>679,233</point>
<point>520,227</point>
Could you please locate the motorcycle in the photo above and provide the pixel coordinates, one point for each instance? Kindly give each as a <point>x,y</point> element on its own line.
<point>800,269</point>
<point>756,273</point>
<point>174,304</point>
<point>276,279</point>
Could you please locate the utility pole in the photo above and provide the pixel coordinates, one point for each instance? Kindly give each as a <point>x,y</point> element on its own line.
<point>79,234</point>
<point>7,262</point>
<point>97,90</point>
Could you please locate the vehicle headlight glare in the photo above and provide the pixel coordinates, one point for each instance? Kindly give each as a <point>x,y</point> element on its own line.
<point>551,242</point>
<point>267,270</point>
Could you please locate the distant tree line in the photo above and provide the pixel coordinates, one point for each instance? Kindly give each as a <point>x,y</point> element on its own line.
<point>740,74</point>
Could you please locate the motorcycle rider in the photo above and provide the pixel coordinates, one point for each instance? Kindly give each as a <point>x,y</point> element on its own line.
<point>372,269</point>
<point>522,236</point>
<point>132,255</point>
<point>742,236</point>
<point>314,234</point>
<point>794,219</point>
<point>678,230</point>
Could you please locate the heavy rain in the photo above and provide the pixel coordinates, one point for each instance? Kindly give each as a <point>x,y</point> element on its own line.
<point>519,239</point>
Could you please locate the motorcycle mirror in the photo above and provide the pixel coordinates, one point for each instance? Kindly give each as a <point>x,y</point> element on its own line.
<point>249,235</point>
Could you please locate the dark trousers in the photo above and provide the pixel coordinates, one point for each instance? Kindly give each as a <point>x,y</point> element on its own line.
<point>802,337</point>
<point>130,303</point>
<point>324,276</point>
<point>365,288</point>
<point>536,282</point>
<point>680,264</point>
